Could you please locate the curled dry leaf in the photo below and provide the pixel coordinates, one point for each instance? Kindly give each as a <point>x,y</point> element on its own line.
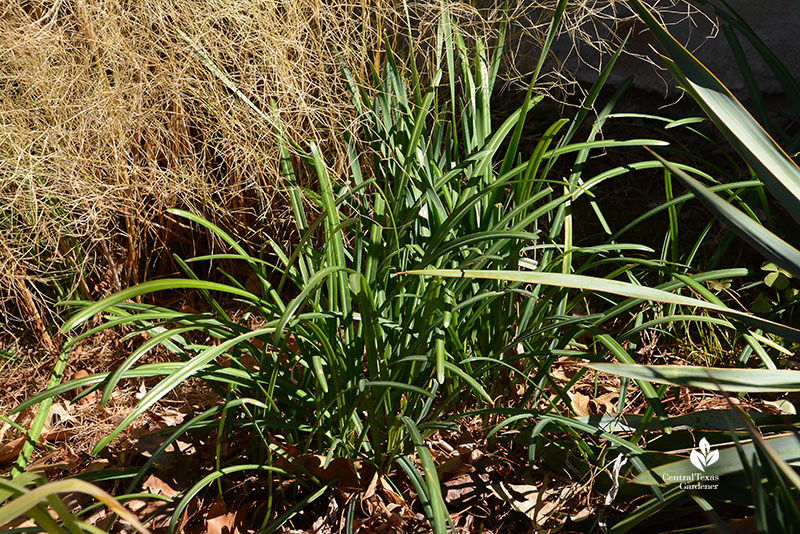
<point>91,398</point>
<point>606,403</point>
<point>219,520</point>
<point>326,523</point>
<point>580,403</point>
<point>166,417</point>
<point>521,497</point>
<point>142,391</point>
<point>783,406</point>
<point>391,495</point>
<point>585,405</point>
<point>338,468</point>
<point>466,489</point>
<point>373,486</point>
<point>538,503</point>
<point>10,451</point>
<point>58,415</point>
<point>154,484</point>
<point>453,467</point>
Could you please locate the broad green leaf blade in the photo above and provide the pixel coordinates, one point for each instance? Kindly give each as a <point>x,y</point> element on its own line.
<point>786,445</point>
<point>770,245</point>
<point>131,360</point>
<point>774,456</point>
<point>338,291</point>
<point>552,32</point>
<point>298,301</point>
<point>602,144</point>
<point>396,385</point>
<point>772,165</point>
<point>647,510</point>
<point>371,331</point>
<point>453,368</point>
<point>496,140</point>
<point>733,380</point>
<point>613,287</point>
<point>231,242</point>
<point>38,512</point>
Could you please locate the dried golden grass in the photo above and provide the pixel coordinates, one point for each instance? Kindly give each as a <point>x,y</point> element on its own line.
<point>107,119</point>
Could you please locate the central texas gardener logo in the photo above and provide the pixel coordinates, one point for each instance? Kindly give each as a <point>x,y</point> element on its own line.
<point>703,457</point>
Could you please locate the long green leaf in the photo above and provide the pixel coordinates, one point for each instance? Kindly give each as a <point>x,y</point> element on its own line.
<point>207,480</point>
<point>38,512</point>
<point>223,374</point>
<point>613,287</point>
<point>770,245</point>
<point>40,420</point>
<point>439,509</point>
<point>733,380</point>
<point>772,165</point>
<point>719,420</point>
<point>647,389</point>
<point>129,362</point>
<point>150,287</point>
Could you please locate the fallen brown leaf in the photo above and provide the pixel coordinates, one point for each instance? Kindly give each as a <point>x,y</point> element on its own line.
<point>58,414</point>
<point>373,486</point>
<point>219,520</point>
<point>521,497</point>
<point>606,403</point>
<point>155,485</point>
<point>314,464</point>
<point>10,451</point>
<point>391,495</point>
<point>91,398</point>
<point>580,403</point>
<point>466,489</point>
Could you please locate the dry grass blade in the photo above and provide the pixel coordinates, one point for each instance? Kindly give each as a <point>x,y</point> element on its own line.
<point>26,501</point>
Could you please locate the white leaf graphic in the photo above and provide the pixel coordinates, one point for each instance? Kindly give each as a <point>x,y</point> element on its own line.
<point>698,460</point>
<point>705,447</point>
<point>712,457</point>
